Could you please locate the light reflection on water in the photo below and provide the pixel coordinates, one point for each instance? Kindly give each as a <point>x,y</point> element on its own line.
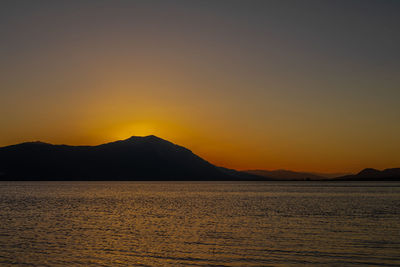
<point>199,223</point>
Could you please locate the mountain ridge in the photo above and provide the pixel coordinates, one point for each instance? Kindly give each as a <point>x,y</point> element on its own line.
<point>135,158</point>
<point>286,175</point>
<point>142,158</point>
<point>289,175</point>
<point>370,174</point>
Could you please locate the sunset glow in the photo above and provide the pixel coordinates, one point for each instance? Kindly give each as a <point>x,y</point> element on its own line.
<point>223,80</point>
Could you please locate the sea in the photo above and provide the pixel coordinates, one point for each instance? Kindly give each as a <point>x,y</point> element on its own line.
<point>199,223</point>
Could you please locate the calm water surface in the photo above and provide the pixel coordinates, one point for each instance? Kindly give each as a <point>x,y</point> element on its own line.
<point>199,223</point>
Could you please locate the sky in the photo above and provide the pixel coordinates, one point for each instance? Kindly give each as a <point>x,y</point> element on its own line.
<point>300,85</point>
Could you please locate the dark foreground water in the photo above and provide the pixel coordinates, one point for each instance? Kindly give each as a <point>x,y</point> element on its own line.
<point>200,224</point>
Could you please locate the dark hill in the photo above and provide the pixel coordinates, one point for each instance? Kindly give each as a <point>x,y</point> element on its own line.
<point>374,175</point>
<point>286,175</point>
<point>136,158</point>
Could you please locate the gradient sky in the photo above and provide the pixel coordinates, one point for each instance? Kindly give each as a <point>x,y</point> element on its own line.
<point>301,85</point>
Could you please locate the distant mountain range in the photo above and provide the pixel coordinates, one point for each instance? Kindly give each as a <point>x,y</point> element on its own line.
<point>365,175</point>
<point>288,175</point>
<point>373,175</point>
<point>139,158</point>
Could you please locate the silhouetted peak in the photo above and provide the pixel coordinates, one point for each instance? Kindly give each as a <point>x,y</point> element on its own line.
<point>151,136</point>
<point>154,138</point>
<point>138,157</point>
<point>151,141</point>
<point>32,144</point>
<point>147,139</point>
<point>35,143</point>
<point>368,171</point>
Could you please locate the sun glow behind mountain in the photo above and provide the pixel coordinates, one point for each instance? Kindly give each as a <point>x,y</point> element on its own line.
<point>255,85</point>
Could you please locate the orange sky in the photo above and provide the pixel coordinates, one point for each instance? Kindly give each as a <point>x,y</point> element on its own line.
<point>249,86</point>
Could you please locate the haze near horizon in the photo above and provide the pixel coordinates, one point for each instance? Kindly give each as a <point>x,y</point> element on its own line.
<point>306,86</point>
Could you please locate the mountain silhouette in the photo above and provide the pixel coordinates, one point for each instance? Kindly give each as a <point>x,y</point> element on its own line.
<point>370,174</point>
<point>136,158</point>
<point>286,175</point>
